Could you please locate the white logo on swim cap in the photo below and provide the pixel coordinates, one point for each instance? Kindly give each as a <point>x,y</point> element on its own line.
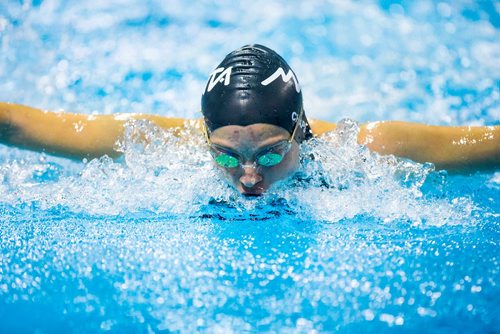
<point>303,124</point>
<point>286,77</point>
<point>215,79</point>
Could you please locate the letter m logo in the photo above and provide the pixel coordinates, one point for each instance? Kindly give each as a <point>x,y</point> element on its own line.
<point>284,76</point>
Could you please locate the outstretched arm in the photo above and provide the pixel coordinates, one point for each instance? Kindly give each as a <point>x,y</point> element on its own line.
<point>70,135</point>
<point>454,148</point>
<point>78,136</point>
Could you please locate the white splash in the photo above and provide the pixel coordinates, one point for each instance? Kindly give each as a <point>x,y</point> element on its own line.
<point>161,172</point>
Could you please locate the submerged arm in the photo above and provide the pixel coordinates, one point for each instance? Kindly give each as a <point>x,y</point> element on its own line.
<point>454,148</point>
<point>70,135</point>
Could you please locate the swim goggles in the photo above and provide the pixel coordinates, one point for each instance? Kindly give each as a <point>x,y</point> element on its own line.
<point>269,157</point>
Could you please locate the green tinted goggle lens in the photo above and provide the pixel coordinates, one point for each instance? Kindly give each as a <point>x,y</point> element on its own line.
<point>269,159</point>
<point>266,160</point>
<point>227,161</point>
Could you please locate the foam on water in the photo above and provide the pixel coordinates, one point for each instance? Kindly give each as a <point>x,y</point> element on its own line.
<point>164,173</point>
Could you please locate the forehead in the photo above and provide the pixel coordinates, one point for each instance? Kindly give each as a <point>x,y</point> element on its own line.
<point>255,132</point>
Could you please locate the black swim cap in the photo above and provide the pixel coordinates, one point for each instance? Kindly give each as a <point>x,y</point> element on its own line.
<point>253,84</point>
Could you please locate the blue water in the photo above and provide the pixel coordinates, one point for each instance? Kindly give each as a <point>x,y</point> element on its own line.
<point>156,241</point>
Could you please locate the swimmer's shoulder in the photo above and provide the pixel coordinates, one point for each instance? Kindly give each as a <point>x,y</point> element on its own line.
<point>163,121</point>
<point>320,127</point>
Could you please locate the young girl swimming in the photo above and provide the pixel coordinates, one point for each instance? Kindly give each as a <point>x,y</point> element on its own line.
<point>254,122</point>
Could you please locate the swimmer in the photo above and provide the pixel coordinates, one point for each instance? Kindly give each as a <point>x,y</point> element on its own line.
<point>253,123</point>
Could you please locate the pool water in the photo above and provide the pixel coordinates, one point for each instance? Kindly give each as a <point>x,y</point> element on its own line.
<point>156,241</point>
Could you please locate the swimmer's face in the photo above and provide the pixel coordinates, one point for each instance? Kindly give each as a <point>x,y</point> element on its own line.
<point>247,142</point>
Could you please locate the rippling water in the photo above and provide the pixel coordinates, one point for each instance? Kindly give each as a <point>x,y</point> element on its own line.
<point>158,241</point>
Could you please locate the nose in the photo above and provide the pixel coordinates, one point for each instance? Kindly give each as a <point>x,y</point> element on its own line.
<point>250,177</point>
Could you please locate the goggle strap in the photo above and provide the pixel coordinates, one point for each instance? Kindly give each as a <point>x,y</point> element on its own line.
<point>297,124</point>
<point>205,133</point>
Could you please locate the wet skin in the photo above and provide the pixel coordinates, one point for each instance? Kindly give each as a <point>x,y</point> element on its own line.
<point>247,142</point>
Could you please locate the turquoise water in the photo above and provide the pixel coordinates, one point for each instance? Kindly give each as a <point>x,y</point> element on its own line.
<point>157,241</point>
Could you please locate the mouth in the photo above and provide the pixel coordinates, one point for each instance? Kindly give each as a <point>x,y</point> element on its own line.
<point>251,195</point>
<point>254,191</point>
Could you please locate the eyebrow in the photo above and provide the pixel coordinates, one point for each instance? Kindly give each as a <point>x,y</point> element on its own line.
<point>258,151</point>
<point>225,149</point>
